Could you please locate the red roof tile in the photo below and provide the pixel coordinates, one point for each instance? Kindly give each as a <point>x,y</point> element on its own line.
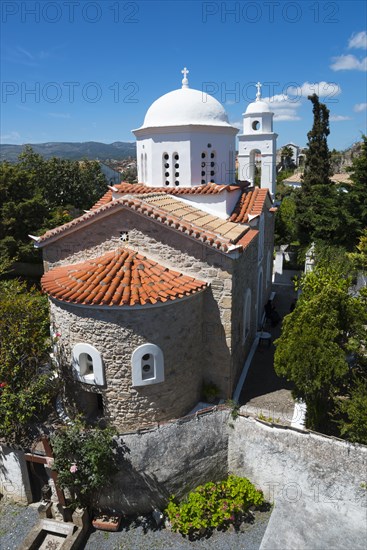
<point>141,189</point>
<point>250,203</point>
<point>119,278</point>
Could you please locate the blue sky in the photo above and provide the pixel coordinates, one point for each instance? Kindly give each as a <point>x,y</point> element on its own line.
<point>88,71</point>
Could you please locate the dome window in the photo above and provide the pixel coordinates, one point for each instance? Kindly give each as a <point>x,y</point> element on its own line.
<point>203,173</point>
<point>203,155</point>
<point>176,156</point>
<point>256,125</point>
<point>177,182</point>
<point>177,165</point>
<point>167,182</point>
<point>203,164</point>
<point>212,155</point>
<point>212,164</point>
<point>209,145</point>
<point>203,182</point>
<point>166,165</point>
<point>212,173</point>
<point>165,156</point>
<point>177,174</point>
<point>166,174</point>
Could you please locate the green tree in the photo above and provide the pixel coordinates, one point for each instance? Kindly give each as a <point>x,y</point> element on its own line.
<point>38,194</point>
<point>318,199</point>
<point>285,221</point>
<point>287,160</point>
<point>326,328</point>
<point>24,340</point>
<point>356,197</point>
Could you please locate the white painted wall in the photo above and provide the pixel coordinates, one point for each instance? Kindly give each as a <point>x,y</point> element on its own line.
<point>14,479</point>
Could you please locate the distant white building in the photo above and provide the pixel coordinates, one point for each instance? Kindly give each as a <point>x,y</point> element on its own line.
<point>112,176</point>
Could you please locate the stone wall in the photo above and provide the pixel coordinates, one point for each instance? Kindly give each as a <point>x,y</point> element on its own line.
<point>174,250</point>
<point>174,327</point>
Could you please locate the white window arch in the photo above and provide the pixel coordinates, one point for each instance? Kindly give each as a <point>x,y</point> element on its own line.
<point>88,365</point>
<point>246,315</point>
<point>269,266</point>
<point>147,365</point>
<point>261,237</point>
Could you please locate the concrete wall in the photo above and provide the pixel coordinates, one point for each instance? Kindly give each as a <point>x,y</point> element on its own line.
<point>317,483</point>
<point>14,479</point>
<point>170,459</point>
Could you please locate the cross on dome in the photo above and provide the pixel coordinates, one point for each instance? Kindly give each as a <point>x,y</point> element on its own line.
<point>258,93</point>
<point>185,82</point>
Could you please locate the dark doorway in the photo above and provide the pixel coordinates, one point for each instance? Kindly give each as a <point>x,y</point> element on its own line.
<point>38,478</point>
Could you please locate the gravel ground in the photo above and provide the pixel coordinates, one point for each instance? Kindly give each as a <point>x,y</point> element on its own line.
<point>16,521</point>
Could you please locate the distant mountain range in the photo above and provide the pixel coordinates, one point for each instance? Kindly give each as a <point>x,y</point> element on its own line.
<point>119,150</point>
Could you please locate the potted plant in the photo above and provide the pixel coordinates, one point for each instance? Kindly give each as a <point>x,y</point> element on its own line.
<point>107,521</point>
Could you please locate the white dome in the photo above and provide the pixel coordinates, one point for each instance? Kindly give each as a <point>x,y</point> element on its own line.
<point>258,107</point>
<point>184,107</point>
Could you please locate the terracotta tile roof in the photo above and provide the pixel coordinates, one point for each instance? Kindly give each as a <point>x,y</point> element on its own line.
<point>107,197</point>
<point>208,189</point>
<point>141,189</point>
<point>168,211</point>
<point>196,218</point>
<point>119,278</point>
<point>250,203</point>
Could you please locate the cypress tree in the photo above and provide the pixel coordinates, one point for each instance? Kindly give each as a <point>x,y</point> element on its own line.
<point>317,200</point>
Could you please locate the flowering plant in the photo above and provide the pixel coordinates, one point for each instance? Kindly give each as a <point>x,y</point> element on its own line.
<point>85,460</point>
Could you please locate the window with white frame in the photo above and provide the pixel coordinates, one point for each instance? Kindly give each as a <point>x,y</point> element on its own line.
<point>261,238</point>
<point>246,315</point>
<point>87,365</point>
<point>147,365</point>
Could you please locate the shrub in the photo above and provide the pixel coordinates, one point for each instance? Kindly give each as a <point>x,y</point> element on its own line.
<point>214,505</point>
<point>85,459</point>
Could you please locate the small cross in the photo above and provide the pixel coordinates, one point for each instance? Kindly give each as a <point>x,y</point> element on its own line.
<point>185,82</point>
<point>258,94</point>
<point>185,72</point>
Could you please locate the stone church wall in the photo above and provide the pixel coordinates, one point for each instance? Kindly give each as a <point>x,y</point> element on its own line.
<point>116,333</point>
<point>175,251</point>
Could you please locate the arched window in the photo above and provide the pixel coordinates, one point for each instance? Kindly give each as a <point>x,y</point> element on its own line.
<point>176,165</point>
<point>166,169</point>
<point>87,365</point>
<point>147,365</point>
<point>269,270</point>
<point>261,238</point>
<point>246,315</point>
<point>145,168</point>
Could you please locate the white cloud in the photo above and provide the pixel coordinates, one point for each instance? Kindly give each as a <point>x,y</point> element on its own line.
<point>358,40</point>
<point>284,117</point>
<point>237,124</point>
<point>12,136</point>
<point>348,63</point>
<point>322,89</point>
<point>59,115</point>
<point>339,118</point>
<point>359,107</point>
<point>283,107</point>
